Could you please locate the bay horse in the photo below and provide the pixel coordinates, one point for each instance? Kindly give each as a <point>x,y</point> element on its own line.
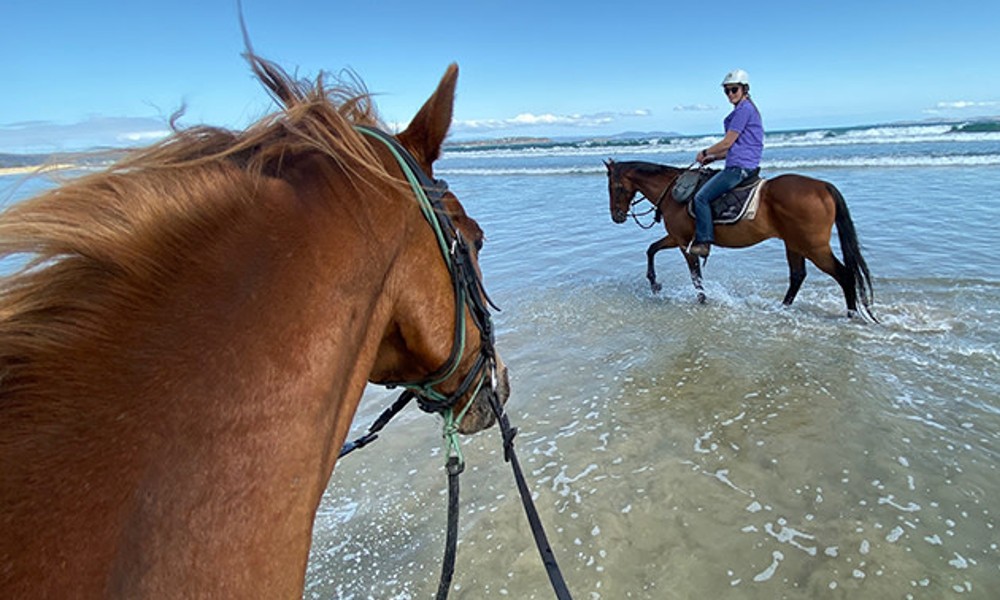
<point>799,210</point>
<point>187,341</point>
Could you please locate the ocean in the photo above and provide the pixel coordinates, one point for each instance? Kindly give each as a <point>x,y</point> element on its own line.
<point>736,449</point>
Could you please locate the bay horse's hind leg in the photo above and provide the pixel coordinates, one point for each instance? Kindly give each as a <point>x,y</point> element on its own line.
<point>829,264</point>
<point>695,268</point>
<point>796,274</point>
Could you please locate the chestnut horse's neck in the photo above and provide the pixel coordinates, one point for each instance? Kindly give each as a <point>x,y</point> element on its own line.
<point>198,407</point>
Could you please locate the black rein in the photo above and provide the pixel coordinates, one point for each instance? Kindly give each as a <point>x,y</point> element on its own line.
<point>465,275</point>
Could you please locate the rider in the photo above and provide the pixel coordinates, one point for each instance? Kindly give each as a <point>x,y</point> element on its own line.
<point>742,146</point>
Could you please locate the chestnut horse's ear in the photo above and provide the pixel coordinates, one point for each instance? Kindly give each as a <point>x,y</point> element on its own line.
<point>427,131</point>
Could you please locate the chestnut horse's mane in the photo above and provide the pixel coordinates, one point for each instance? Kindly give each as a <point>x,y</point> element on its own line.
<point>109,241</point>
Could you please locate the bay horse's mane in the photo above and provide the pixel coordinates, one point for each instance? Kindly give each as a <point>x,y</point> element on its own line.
<point>108,242</point>
<point>646,168</point>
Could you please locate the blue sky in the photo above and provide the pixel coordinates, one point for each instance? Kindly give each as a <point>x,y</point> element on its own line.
<point>77,74</point>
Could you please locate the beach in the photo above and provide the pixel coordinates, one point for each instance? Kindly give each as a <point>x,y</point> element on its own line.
<point>736,449</point>
<point>29,170</point>
<point>733,450</point>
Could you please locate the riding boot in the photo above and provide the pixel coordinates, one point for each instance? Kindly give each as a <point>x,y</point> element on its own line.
<point>700,249</point>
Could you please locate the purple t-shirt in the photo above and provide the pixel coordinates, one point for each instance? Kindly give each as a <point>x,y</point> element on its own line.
<point>746,151</point>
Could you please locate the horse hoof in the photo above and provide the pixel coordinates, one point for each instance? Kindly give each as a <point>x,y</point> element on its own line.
<point>701,298</point>
<point>655,287</point>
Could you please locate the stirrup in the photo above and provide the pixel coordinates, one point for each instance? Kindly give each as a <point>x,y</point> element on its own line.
<point>701,246</point>
<point>703,257</point>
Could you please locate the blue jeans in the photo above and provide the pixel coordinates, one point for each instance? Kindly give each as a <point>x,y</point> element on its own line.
<point>719,184</point>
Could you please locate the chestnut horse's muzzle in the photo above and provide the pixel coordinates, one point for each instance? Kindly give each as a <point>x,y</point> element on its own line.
<point>482,413</point>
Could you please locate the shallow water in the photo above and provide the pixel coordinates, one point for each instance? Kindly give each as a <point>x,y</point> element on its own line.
<point>684,451</point>
<point>734,449</point>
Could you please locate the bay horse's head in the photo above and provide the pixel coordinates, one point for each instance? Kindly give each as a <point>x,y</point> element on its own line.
<point>621,191</point>
<point>439,343</point>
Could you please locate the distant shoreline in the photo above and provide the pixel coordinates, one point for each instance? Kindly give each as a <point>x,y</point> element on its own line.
<point>13,164</point>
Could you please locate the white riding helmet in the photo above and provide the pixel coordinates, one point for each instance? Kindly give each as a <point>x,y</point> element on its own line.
<point>736,76</point>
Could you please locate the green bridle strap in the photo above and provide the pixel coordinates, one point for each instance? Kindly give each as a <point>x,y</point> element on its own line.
<point>450,430</point>
<point>427,209</point>
<point>418,190</point>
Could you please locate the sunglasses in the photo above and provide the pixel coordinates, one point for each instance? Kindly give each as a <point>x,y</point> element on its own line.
<point>730,90</point>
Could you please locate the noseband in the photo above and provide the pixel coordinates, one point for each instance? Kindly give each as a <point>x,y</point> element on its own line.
<point>639,197</point>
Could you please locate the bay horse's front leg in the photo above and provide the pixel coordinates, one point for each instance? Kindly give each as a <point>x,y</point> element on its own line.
<point>666,242</point>
<point>695,268</point>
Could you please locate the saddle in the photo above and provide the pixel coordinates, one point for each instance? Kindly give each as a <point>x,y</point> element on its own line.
<point>738,203</point>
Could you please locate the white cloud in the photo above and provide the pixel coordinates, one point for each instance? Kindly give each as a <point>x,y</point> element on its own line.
<point>960,104</point>
<point>694,108</point>
<point>97,131</point>
<point>535,120</point>
<point>546,119</point>
<point>143,136</point>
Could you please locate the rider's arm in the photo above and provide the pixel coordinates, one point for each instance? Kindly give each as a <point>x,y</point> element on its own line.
<point>718,149</point>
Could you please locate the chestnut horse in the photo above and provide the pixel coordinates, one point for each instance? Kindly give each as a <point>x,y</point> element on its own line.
<point>799,210</point>
<point>188,340</point>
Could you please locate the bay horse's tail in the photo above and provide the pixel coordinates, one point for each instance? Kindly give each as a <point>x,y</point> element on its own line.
<point>856,266</point>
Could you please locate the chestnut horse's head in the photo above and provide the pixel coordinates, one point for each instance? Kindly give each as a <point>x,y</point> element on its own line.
<point>195,327</point>
<point>439,343</point>
<point>621,191</point>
